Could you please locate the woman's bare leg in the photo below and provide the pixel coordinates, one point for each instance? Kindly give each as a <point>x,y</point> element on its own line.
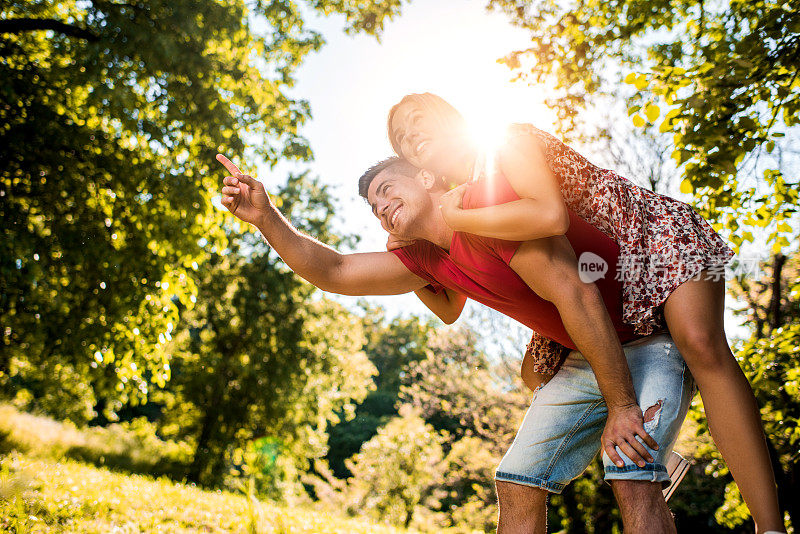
<point>694,315</point>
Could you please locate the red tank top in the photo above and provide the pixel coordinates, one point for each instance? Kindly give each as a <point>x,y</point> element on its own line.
<point>478,267</point>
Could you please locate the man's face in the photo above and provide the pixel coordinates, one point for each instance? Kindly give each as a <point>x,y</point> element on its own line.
<point>399,202</point>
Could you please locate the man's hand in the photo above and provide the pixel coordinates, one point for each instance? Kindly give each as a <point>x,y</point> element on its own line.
<point>623,425</point>
<point>243,195</point>
<point>451,205</point>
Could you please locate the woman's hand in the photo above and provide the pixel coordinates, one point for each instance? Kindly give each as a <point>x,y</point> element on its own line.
<point>396,242</point>
<point>451,205</point>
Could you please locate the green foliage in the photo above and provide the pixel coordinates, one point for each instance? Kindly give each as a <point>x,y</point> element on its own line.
<point>110,114</point>
<point>457,390</point>
<point>394,471</point>
<point>721,77</point>
<point>461,394</point>
<point>120,282</point>
<point>258,358</point>
<point>390,346</point>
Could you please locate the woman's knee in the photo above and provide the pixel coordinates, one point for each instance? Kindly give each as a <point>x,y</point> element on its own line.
<point>703,348</point>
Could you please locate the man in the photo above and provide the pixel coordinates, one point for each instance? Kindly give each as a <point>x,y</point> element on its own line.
<point>537,283</point>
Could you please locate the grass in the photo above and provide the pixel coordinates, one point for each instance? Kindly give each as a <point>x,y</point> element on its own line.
<point>130,447</point>
<point>44,495</point>
<point>55,477</point>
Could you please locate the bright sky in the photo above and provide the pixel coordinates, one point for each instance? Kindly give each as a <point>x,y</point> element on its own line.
<point>446,47</point>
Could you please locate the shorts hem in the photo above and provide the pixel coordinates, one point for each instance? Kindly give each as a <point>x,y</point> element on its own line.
<point>649,473</point>
<point>537,482</point>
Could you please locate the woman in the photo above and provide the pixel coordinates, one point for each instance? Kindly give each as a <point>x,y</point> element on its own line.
<point>672,255</point>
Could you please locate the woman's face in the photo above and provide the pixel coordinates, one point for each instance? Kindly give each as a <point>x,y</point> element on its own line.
<point>426,141</point>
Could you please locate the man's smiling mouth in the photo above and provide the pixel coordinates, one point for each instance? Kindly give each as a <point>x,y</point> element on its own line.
<point>396,213</point>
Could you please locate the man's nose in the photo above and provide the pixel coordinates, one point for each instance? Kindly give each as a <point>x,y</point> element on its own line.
<point>382,205</point>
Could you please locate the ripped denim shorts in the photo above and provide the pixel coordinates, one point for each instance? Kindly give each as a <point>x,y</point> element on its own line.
<point>560,434</point>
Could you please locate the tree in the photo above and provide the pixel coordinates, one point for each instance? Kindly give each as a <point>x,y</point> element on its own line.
<point>395,470</point>
<point>457,390</point>
<point>391,346</point>
<point>726,71</point>
<point>261,358</point>
<point>476,404</point>
<point>110,114</point>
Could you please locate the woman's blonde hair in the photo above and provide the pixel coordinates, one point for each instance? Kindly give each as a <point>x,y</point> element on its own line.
<point>446,114</point>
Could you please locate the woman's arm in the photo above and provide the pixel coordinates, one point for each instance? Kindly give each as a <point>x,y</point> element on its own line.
<point>447,305</point>
<point>539,213</point>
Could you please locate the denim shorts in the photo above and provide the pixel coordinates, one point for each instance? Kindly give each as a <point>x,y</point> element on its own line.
<point>560,434</point>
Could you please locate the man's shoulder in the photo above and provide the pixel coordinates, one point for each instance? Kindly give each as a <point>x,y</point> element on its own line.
<point>419,251</point>
<point>424,259</point>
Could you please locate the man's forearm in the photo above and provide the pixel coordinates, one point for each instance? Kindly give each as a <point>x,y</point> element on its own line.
<point>549,267</point>
<point>316,262</point>
<point>366,273</point>
<point>587,322</point>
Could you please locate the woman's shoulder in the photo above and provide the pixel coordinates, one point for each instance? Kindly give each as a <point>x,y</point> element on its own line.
<point>519,129</point>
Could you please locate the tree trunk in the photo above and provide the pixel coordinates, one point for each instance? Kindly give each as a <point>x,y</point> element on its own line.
<point>775,316</point>
<point>201,458</point>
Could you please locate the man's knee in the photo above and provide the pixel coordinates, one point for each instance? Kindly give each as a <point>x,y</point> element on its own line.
<point>637,491</point>
<point>517,497</point>
<point>643,507</point>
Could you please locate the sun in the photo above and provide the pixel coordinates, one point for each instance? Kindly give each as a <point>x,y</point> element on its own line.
<point>491,102</point>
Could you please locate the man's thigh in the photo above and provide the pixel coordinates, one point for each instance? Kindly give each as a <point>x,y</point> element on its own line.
<point>560,434</point>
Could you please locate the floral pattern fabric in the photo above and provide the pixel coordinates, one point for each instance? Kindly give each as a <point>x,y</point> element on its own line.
<point>663,241</point>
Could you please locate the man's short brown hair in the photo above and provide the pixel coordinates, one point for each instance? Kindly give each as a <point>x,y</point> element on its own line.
<point>397,165</point>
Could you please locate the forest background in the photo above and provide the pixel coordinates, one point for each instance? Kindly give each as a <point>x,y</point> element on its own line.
<point>134,308</point>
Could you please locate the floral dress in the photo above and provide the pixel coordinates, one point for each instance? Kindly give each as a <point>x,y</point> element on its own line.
<point>663,241</point>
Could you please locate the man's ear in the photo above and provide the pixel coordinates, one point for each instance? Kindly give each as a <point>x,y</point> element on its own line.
<point>427,179</point>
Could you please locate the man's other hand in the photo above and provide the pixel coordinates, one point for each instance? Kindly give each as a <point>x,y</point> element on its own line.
<point>243,195</point>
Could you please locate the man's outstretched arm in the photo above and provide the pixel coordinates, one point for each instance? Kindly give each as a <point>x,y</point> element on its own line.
<point>374,273</point>
<point>550,269</point>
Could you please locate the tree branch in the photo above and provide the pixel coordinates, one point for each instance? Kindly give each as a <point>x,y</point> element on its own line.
<point>27,25</point>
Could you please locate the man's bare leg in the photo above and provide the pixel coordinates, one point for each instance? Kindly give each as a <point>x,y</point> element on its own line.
<point>523,509</point>
<point>643,508</point>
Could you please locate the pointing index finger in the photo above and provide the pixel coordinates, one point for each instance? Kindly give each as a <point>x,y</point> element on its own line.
<point>233,169</point>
